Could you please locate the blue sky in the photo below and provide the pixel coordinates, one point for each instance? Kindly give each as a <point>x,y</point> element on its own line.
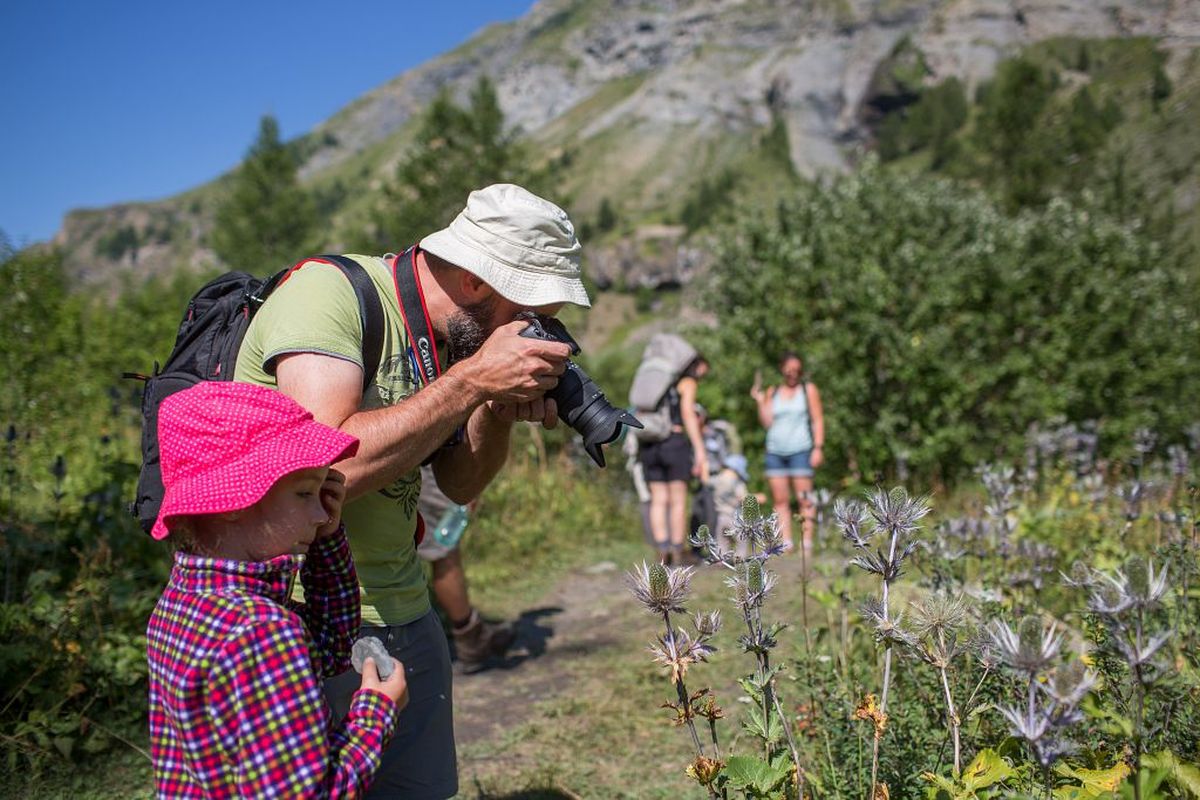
<point>107,101</point>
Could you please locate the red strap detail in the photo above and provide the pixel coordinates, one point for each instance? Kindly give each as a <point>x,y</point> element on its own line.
<point>419,536</point>
<point>424,308</point>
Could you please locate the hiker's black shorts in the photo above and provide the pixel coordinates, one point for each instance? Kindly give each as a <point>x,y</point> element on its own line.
<point>668,460</point>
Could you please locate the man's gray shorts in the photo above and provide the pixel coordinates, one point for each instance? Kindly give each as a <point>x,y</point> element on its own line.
<point>420,762</point>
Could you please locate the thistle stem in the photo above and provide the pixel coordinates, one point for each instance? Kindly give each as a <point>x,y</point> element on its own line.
<point>787,729</point>
<point>1139,708</point>
<point>887,671</point>
<point>887,677</point>
<point>953,722</point>
<point>685,704</point>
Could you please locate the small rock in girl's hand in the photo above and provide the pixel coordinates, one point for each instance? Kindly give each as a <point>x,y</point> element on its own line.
<point>370,647</point>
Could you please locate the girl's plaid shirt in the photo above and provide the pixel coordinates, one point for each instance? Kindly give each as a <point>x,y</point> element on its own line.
<point>236,708</point>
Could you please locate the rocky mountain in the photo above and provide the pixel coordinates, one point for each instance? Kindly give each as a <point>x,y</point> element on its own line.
<point>638,100</point>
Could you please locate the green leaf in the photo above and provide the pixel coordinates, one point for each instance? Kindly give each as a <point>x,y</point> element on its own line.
<point>64,745</point>
<point>1096,782</point>
<point>1181,774</point>
<point>986,769</point>
<point>748,772</point>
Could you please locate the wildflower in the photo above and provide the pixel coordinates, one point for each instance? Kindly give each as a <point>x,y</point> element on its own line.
<point>1144,441</point>
<point>1109,596</point>
<point>1139,657</point>
<point>751,585</point>
<point>886,629</point>
<point>895,511</point>
<point>1030,648</point>
<point>1079,577</point>
<point>850,517</point>
<point>1145,587</point>
<point>1069,683</point>
<point>659,588</point>
<point>939,615</point>
<point>677,651</point>
<point>1178,456</point>
<point>1029,723</point>
<point>707,624</point>
<point>705,770</point>
<point>868,710</point>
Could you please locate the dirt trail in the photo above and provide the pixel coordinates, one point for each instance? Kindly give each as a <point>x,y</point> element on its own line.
<point>589,610</point>
<point>575,618</point>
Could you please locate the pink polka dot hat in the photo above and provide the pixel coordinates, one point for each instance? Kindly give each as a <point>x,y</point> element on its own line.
<point>223,445</point>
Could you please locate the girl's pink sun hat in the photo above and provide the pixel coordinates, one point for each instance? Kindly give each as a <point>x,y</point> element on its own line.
<point>223,445</point>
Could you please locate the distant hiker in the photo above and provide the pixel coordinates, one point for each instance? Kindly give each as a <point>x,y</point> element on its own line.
<point>236,706</point>
<point>454,376</point>
<point>795,423</point>
<point>670,447</point>
<point>476,640</point>
<point>721,440</point>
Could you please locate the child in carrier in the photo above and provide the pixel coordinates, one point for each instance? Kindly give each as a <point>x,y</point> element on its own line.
<point>729,490</point>
<point>236,708</point>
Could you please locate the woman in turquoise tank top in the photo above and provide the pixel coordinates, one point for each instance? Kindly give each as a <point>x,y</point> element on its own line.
<point>795,423</point>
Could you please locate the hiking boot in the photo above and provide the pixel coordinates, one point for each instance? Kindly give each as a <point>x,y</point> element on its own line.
<point>478,641</point>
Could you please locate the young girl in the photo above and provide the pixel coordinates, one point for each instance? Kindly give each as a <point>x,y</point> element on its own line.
<point>236,708</point>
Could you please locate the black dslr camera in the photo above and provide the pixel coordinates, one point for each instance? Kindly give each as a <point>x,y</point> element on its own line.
<point>581,404</point>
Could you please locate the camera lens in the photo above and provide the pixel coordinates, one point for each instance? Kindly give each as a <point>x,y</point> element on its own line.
<point>584,407</point>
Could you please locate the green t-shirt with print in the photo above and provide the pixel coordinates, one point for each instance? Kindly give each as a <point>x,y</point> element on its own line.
<point>316,311</point>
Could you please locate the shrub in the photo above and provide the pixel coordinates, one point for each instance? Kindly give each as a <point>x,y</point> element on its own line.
<point>939,327</point>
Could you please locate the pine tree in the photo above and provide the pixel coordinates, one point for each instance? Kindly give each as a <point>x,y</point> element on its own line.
<point>457,150</point>
<point>267,220</point>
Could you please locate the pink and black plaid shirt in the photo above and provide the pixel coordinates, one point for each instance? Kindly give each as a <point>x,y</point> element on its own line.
<point>236,708</point>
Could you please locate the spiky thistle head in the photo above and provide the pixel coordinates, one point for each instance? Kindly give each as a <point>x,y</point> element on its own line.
<point>939,615</point>
<point>659,588</point>
<point>851,519</point>
<point>895,512</point>
<point>708,623</point>
<point>1145,586</point>
<point>751,583</point>
<point>1069,683</point>
<point>677,651</point>
<point>1029,649</point>
<point>888,629</point>
<point>751,511</point>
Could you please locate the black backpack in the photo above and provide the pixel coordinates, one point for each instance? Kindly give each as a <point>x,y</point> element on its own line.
<point>206,349</point>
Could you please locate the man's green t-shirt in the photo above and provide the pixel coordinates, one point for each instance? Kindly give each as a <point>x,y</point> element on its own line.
<point>316,311</point>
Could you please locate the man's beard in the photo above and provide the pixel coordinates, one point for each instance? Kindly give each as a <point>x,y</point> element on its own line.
<point>468,328</point>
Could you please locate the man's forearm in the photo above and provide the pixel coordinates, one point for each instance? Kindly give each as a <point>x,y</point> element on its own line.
<point>395,440</point>
<point>463,472</point>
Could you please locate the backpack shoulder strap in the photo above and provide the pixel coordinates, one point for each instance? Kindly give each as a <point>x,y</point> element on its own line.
<point>370,310</point>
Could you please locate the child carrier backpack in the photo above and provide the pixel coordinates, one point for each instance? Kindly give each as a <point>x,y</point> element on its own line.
<point>206,349</point>
<point>663,361</point>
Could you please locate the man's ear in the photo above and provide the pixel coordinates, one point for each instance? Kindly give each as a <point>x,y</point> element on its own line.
<point>474,288</point>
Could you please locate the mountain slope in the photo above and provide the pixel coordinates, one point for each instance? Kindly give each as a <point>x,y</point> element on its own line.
<point>637,101</point>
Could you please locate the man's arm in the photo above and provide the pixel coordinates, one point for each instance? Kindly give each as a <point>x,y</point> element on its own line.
<point>509,369</point>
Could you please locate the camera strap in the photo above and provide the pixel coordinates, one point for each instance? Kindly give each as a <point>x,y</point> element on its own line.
<point>422,345</point>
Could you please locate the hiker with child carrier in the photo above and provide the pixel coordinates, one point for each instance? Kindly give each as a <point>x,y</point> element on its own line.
<point>670,446</point>
<point>428,356</point>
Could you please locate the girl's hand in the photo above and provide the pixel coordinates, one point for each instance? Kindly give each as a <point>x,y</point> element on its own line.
<point>333,495</point>
<point>756,388</point>
<point>700,468</point>
<point>395,687</point>
<point>816,458</point>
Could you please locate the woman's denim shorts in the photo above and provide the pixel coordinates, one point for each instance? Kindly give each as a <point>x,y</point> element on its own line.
<point>793,465</point>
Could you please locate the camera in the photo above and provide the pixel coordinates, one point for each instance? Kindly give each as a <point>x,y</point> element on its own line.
<point>581,404</point>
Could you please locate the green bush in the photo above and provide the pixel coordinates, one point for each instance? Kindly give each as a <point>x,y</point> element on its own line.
<point>938,326</point>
